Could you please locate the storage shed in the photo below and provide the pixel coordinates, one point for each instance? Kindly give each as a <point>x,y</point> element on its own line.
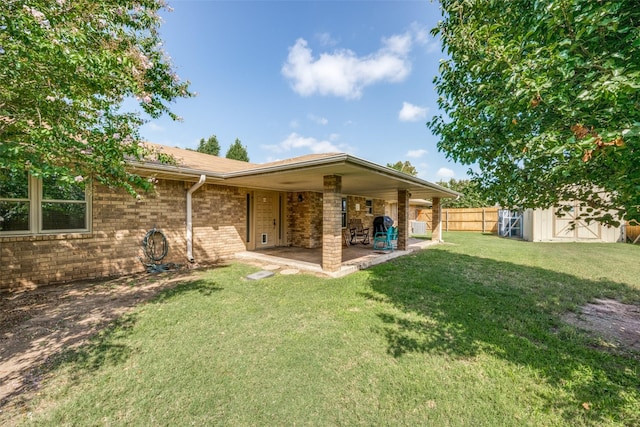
<point>544,225</point>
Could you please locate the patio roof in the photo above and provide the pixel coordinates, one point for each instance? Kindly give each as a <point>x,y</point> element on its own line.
<point>359,177</point>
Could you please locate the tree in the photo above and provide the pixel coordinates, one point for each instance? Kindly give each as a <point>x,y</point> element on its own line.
<point>544,98</point>
<point>210,146</point>
<point>405,167</point>
<point>237,151</point>
<point>65,69</point>
<point>472,195</point>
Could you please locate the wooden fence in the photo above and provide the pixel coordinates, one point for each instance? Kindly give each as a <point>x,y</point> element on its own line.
<point>464,219</point>
<point>633,232</point>
<point>486,221</point>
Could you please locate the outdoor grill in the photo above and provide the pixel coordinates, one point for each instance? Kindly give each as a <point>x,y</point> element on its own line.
<point>381,224</point>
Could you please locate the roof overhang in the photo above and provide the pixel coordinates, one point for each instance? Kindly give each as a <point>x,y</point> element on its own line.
<point>359,177</point>
<point>176,173</point>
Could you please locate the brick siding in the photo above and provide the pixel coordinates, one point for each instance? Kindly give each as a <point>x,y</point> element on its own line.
<point>119,223</point>
<point>304,219</point>
<point>362,215</point>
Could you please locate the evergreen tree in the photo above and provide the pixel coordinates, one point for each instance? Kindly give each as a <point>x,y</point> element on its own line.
<point>238,152</point>
<point>405,167</point>
<point>210,146</point>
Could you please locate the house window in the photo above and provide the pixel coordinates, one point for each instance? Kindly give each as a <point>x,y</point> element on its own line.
<point>14,201</point>
<point>29,205</point>
<point>344,213</point>
<point>369,206</point>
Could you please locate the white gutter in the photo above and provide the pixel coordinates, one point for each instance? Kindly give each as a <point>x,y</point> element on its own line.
<point>197,185</point>
<point>141,168</point>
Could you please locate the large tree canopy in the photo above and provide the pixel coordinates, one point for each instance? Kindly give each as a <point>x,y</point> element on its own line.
<point>544,97</point>
<point>66,66</point>
<point>472,197</point>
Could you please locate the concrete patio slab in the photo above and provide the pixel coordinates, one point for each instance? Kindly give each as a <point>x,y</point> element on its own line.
<point>260,275</point>
<point>354,257</point>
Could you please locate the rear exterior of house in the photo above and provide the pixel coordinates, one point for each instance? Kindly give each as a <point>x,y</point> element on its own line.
<point>223,225</point>
<point>99,231</point>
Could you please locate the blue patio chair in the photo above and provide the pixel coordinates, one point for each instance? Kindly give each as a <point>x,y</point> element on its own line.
<point>386,240</point>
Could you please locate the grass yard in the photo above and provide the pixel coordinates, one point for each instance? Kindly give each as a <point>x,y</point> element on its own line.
<point>469,333</point>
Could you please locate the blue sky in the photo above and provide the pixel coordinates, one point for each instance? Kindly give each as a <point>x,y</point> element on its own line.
<point>290,78</point>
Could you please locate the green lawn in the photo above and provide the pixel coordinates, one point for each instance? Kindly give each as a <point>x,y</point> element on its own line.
<point>463,334</point>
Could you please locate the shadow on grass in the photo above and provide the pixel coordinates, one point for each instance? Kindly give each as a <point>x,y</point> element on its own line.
<point>203,287</point>
<point>421,236</point>
<point>440,302</point>
<point>106,348</point>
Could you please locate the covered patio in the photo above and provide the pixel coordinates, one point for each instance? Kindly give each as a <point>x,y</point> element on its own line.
<point>300,202</point>
<point>336,175</point>
<point>354,257</point>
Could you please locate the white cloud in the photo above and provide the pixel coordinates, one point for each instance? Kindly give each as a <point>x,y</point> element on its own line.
<point>294,124</point>
<point>296,141</point>
<point>400,44</point>
<point>326,39</point>
<point>412,113</point>
<point>319,120</point>
<point>416,154</point>
<point>421,36</point>
<point>342,72</point>
<point>154,127</point>
<point>433,46</point>
<point>420,33</point>
<point>423,170</point>
<point>445,173</point>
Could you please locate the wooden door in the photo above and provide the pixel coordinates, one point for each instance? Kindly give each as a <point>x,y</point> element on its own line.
<point>569,225</point>
<point>267,222</point>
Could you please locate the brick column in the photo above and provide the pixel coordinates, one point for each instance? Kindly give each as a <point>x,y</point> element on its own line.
<point>403,219</point>
<point>332,223</point>
<point>436,220</point>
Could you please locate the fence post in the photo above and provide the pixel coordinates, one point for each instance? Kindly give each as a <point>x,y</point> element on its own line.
<point>446,216</point>
<point>483,220</point>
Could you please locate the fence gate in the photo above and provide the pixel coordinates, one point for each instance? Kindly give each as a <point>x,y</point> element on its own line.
<point>509,223</point>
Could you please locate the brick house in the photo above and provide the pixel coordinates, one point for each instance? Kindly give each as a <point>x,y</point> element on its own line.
<point>209,208</point>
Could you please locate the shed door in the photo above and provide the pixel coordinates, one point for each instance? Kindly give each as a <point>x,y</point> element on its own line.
<point>582,231</point>
<point>267,214</point>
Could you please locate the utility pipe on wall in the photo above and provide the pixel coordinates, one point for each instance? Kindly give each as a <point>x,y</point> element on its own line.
<point>189,219</point>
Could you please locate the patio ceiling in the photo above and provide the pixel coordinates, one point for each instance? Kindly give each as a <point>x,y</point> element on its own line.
<point>359,177</point>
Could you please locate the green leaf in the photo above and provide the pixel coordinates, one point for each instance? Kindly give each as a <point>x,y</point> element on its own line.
<point>563,88</point>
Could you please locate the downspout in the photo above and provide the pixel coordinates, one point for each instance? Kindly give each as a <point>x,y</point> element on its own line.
<point>189,217</point>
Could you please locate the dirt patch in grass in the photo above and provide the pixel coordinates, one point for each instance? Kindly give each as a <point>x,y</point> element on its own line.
<point>40,323</point>
<point>615,322</point>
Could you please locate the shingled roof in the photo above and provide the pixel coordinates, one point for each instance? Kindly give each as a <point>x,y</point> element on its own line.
<point>303,173</point>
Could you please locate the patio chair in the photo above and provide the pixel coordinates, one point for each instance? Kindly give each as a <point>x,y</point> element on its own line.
<point>358,232</point>
<point>346,235</point>
<point>386,240</point>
